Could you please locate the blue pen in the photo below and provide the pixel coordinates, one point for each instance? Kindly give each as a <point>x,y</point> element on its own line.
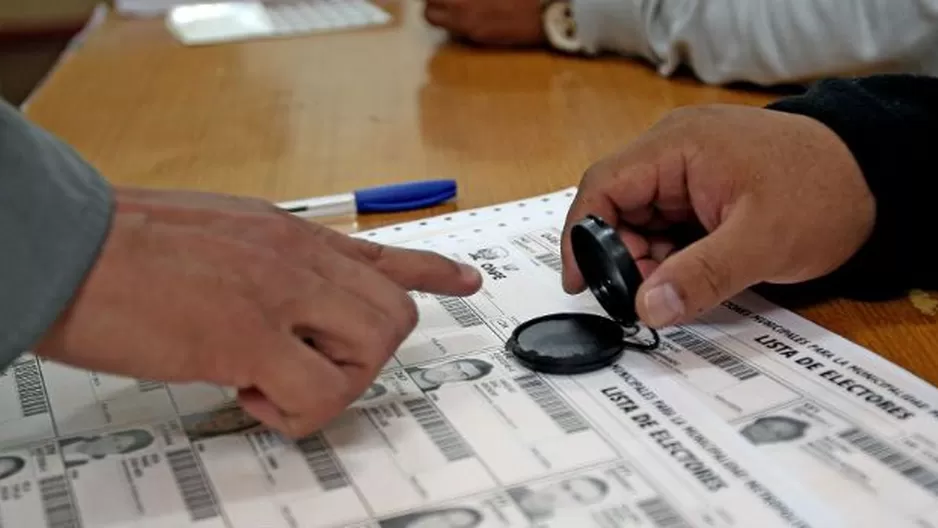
<point>406,196</point>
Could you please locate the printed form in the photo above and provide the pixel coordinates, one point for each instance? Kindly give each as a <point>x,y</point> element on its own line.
<point>751,416</point>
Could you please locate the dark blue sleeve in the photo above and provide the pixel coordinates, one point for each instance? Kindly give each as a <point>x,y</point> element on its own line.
<point>890,124</point>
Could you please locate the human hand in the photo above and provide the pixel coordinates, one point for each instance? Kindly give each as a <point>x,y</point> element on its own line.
<point>233,291</point>
<point>779,197</point>
<point>489,22</point>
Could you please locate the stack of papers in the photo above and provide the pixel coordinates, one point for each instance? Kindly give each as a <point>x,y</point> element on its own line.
<point>750,416</point>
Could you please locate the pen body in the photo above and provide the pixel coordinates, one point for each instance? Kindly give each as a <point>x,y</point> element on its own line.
<point>336,205</point>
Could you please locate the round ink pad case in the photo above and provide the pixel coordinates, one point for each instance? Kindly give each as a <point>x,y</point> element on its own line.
<point>572,343</point>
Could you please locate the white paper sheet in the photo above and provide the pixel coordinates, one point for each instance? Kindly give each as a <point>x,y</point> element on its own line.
<point>455,433</point>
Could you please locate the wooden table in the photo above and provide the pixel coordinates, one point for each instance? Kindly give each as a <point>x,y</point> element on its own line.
<point>289,118</point>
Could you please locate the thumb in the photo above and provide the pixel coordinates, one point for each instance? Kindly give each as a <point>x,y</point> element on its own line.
<point>702,275</point>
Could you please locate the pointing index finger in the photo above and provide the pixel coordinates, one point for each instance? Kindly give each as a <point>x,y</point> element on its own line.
<point>422,270</point>
<point>411,269</point>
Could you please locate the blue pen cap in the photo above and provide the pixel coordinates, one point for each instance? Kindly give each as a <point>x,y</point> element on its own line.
<point>404,196</point>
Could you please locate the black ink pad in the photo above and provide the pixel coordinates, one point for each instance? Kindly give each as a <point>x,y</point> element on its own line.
<point>572,343</point>
<point>567,343</point>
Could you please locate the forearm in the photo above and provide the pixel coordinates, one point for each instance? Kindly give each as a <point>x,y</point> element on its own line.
<point>55,212</point>
<point>890,124</point>
<point>765,41</point>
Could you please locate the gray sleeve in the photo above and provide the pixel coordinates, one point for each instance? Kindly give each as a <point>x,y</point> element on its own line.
<point>55,213</point>
<point>765,41</point>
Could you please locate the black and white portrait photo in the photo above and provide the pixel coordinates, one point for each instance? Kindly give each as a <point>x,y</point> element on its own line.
<point>432,378</point>
<point>542,502</point>
<point>80,450</point>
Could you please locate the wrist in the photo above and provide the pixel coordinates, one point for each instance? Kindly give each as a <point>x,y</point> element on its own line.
<point>876,205</point>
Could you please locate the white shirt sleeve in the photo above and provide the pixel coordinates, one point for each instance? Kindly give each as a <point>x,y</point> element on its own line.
<point>765,41</point>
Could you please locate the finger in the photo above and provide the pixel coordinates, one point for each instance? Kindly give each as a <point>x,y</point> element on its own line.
<point>297,388</point>
<point>637,217</point>
<point>673,199</point>
<point>363,280</point>
<point>703,274</point>
<point>626,182</point>
<point>675,215</point>
<point>635,244</point>
<point>410,269</point>
<point>357,321</point>
<point>647,266</point>
<point>647,220</point>
<point>438,14</point>
<point>657,218</point>
<point>444,4</point>
<point>421,270</point>
<point>262,409</point>
<point>660,248</point>
<point>352,314</point>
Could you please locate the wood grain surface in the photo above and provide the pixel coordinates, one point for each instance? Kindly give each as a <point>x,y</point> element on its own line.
<point>283,119</point>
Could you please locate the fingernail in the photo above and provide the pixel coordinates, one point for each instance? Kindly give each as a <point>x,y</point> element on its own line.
<point>663,305</point>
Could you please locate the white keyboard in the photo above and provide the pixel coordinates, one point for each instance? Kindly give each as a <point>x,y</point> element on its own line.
<point>202,24</point>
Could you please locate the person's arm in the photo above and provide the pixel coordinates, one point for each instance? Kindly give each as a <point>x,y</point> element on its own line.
<point>55,213</point>
<point>766,42</point>
<point>890,125</point>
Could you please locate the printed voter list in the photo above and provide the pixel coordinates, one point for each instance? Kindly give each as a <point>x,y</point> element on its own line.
<point>748,417</point>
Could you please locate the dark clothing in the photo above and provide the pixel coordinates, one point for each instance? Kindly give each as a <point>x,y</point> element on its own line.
<point>890,124</point>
